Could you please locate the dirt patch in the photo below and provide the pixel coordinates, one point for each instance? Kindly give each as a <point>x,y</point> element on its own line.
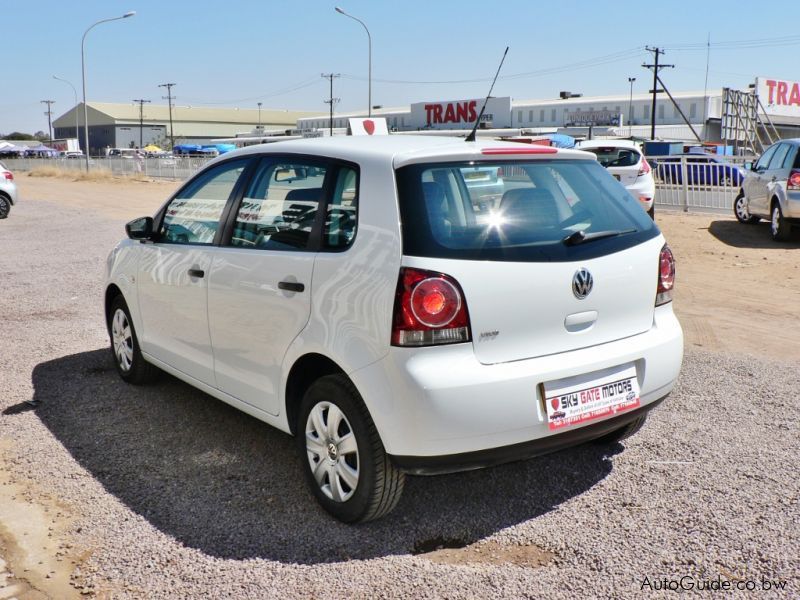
<point>456,552</point>
<point>37,561</point>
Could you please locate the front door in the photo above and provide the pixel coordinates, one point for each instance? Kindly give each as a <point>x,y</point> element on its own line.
<point>173,273</point>
<point>756,183</point>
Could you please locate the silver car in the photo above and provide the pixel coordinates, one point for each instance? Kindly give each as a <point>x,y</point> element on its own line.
<point>8,191</point>
<point>772,190</point>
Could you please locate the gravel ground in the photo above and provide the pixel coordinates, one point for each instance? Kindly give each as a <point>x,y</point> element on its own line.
<point>163,491</point>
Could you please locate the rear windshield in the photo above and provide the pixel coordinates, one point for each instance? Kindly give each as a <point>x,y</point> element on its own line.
<point>615,157</point>
<point>517,211</point>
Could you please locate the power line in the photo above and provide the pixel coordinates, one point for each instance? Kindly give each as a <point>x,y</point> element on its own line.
<point>332,100</point>
<point>170,98</point>
<point>141,118</point>
<point>49,114</point>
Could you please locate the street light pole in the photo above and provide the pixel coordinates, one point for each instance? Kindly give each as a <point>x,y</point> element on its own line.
<point>75,94</point>
<point>369,39</point>
<point>83,79</point>
<point>630,107</point>
<point>259,115</point>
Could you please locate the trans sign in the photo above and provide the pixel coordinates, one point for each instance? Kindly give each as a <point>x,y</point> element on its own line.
<point>779,96</point>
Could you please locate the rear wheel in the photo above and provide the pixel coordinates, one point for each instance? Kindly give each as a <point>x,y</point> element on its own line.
<point>344,460</point>
<point>623,432</point>
<point>741,210</point>
<point>5,206</point>
<point>130,363</point>
<point>780,228</point>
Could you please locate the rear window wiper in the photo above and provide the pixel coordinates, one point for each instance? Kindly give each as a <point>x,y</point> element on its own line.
<point>579,237</point>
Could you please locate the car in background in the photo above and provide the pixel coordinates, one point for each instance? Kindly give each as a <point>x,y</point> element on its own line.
<point>8,191</point>
<point>402,334</point>
<point>701,169</point>
<point>772,190</point>
<point>485,185</point>
<point>624,160</point>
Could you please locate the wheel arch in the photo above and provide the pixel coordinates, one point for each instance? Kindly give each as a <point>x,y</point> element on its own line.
<point>112,291</point>
<point>305,371</point>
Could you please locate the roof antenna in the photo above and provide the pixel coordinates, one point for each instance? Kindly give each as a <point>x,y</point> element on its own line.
<point>471,136</point>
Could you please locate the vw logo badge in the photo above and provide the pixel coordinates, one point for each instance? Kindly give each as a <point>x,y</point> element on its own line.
<point>582,283</point>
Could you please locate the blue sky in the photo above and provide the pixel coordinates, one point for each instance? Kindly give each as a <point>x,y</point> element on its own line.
<point>241,52</point>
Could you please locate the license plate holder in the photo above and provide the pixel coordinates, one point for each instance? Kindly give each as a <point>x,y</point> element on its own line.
<point>590,396</point>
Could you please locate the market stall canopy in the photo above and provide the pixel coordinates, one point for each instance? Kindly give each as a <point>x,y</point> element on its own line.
<point>152,148</point>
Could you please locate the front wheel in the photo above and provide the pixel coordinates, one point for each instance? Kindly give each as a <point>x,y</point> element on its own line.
<point>779,227</point>
<point>130,363</point>
<point>742,211</point>
<point>344,460</point>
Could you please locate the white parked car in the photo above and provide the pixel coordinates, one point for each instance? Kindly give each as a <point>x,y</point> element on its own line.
<point>8,191</point>
<point>627,164</point>
<point>344,291</point>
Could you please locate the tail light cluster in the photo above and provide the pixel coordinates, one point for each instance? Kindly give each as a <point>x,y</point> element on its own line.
<point>429,309</point>
<point>666,276</point>
<point>8,175</point>
<point>644,169</point>
<point>794,180</point>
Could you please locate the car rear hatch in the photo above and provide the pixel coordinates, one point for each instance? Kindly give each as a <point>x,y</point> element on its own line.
<point>623,163</point>
<point>568,260</point>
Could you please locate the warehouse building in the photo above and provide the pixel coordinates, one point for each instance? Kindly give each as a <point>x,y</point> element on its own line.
<point>114,125</point>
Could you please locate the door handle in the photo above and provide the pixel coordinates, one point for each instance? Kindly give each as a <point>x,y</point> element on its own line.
<point>197,273</point>
<point>291,286</point>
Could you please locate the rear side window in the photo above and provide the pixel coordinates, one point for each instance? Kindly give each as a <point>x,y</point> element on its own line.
<point>280,206</point>
<point>341,218</point>
<point>779,157</point>
<point>615,157</point>
<point>543,203</point>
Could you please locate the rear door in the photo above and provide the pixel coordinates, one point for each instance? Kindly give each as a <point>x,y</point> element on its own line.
<point>261,279</point>
<point>522,282</point>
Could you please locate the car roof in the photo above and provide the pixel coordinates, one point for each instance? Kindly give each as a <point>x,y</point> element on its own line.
<point>607,144</point>
<point>405,149</point>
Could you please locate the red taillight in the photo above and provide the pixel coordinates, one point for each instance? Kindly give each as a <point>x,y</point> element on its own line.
<point>8,175</point>
<point>645,168</point>
<point>666,276</point>
<point>429,309</point>
<point>794,180</point>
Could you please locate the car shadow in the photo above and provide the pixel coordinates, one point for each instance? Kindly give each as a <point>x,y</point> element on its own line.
<point>231,486</point>
<point>740,235</point>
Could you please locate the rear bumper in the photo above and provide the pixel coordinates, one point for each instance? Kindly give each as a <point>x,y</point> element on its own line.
<point>468,461</point>
<point>644,190</point>
<point>792,210</point>
<point>441,401</point>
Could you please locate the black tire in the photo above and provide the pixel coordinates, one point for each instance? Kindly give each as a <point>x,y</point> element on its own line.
<point>652,211</point>
<point>378,483</point>
<point>623,432</point>
<point>741,211</point>
<point>128,359</point>
<point>5,206</point>
<point>779,227</point>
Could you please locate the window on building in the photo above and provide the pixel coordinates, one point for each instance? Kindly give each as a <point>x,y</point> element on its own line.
<point>541,116</point>
<point>693,110</point>
<point>530,116</point>
<point>675,112</point>
<point>661,112</point>
<point>553,115</point>
<point>519,117</point>
<point>645,111</point>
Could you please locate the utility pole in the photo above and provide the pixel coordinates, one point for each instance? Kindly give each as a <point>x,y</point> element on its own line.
<point>259,114</point>
<point>141,119</point>
<point>49,114</point>
<point>170,98</point>
<point>332,101</point>
<point>655,67</point>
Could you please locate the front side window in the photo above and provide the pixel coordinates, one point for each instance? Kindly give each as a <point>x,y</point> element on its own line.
<point>280,206</point>
<point>192,216</point>
<point>545,206</point>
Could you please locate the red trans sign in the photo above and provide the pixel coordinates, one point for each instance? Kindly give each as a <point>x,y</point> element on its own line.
<point>452,112</point>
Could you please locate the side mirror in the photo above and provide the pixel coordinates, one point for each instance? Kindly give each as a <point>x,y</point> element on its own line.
<point>140,229</point>
<point>749,165</point>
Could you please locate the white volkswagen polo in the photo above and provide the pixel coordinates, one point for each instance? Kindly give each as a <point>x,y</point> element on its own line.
<point>349,292</point>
